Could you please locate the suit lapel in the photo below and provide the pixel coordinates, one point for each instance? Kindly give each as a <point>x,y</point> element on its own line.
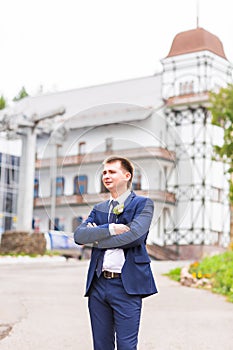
<point>129,199</point>
<point>127,202</point>
<point>104,209</point>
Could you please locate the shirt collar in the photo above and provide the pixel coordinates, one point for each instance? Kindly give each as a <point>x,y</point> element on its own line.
<point>121,199</point>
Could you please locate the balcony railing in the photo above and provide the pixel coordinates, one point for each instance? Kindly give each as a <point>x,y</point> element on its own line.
<point>184,100</point>
<point>97,157</point>
<point>89,199</point>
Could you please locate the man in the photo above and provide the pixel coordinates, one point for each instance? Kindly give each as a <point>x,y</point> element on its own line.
<point>119,274</point>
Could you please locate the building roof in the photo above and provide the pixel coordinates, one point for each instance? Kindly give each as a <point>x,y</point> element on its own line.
<point>97,105</point>
<point>196,40</point>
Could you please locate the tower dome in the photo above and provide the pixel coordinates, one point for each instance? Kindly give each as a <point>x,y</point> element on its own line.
<point>196,40</point>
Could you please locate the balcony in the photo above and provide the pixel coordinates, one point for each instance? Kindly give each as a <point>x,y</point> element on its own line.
<point>90,199</point>
<point>97,157</point>
<point>184,100</point>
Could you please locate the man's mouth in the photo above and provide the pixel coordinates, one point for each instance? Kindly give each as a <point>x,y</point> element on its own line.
<point>107,183</point>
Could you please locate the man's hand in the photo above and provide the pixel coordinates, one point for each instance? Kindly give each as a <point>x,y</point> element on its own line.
<point>91,224</point>
<point>120,228</point>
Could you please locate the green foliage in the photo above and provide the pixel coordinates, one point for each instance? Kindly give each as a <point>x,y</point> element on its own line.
<point>221,108</point>
<point>32,255</point>
<point>52,253</point>
<point>22,94</point>
<point>219,268</point>
<point>174,274</point>
<point>231,192</point>
<point>2,102</point>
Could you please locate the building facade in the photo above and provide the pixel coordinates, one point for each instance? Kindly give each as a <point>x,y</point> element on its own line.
<point>195,65</point>
<point>79,166</point>
<point>163,125</point>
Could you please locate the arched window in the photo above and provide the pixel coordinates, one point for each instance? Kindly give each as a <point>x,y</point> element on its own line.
<point>60,184</point>
<point>36,188</point>
<point>136,183</point>
<point>81,148</point>
<point>80,184</point>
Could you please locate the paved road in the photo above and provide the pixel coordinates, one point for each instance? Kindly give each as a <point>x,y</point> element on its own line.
<point>44,303</point>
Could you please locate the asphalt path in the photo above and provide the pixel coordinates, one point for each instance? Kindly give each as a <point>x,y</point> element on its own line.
<point>42,307</point>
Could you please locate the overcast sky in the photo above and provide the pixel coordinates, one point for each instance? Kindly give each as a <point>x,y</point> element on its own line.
<point>67,44</point>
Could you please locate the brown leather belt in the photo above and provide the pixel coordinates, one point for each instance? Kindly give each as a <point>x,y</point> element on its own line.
<point>109,274</point>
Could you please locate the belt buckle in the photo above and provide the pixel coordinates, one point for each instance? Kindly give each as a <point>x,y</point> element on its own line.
<point>108,275</point>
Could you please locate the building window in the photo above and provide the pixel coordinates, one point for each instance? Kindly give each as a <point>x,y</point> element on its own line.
<point>36,224</point>
<point>81,148</point>
<point>15,161</point>
<point>60,184</point>
<point>9,182</point>
<point>36,188</point>
<point>76,222</point>
<point>186,87</point>
<point>12,177</point>
<point>216,194</point>
<point>136,183</point>
<point>80,184</point>
<point>57,225</point>
<point>9,202</point>
<point>8,222</point>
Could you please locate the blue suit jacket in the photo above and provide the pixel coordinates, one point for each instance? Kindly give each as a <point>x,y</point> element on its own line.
<point>136,275</point>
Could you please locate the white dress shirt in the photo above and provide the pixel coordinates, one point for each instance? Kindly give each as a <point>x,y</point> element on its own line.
<point>114,258</point>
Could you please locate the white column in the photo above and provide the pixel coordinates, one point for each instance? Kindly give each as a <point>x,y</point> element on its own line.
<point>53,177</point>
<point>26,181</point>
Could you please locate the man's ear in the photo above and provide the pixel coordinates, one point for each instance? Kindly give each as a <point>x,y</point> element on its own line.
<point>128,176</point>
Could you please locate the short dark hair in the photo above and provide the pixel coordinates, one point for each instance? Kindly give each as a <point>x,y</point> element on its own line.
<point>125,163</point>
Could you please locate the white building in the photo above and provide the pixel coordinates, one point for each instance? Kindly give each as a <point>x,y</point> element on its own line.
<point>162,124</point>
<point>10,152</point>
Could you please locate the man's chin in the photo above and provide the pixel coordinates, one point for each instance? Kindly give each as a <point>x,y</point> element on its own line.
<point>111,188</point>
<point>108,187</point>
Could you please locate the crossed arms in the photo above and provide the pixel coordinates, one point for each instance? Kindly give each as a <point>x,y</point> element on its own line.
<point>100,235</point>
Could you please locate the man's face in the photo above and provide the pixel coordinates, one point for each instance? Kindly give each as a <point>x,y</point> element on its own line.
<point>115,178</point>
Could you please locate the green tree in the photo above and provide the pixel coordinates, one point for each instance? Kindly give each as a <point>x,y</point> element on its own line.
<point>2,102</point>
<point>22,94</point>
<point>221,108</point>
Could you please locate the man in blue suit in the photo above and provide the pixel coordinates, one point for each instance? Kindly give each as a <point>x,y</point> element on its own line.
<point>119,274</point>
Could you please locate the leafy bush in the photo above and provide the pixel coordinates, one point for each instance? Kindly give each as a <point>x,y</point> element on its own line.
<point>174,274</point>
<point>218,269</point>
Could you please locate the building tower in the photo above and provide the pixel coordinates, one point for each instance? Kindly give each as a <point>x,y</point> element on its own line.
<point>196,65</point>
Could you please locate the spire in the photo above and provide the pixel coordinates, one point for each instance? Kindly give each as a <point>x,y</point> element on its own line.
<point>197,9</point>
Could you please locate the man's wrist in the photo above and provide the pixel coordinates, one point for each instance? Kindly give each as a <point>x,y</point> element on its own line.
<point>111,229</point>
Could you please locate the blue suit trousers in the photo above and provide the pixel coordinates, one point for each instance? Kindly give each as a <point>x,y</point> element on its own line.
<point>115,315</point>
